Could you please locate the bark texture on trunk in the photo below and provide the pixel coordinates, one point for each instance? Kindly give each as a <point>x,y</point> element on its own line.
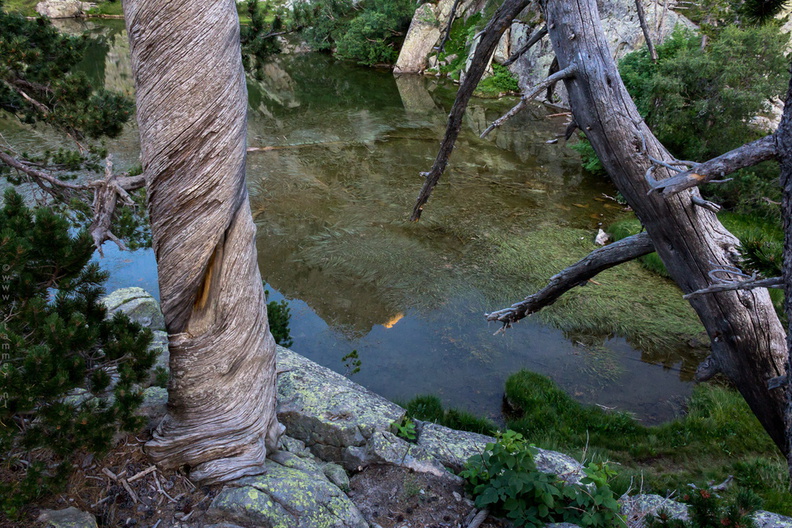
<point>748,342</point>
<point>783,138</point>
<point>191,110</point>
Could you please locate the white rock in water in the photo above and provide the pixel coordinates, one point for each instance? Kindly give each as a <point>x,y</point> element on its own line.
<point>602,238</point>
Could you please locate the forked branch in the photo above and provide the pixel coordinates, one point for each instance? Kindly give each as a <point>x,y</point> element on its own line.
<point>486,46</point>
<point>578,274</point>
<point>566,73</point>
<point>745,156</point>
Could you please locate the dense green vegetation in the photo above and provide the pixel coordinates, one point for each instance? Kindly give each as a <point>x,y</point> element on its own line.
<point>369,32</point>
<point>505,480</point>
<point>700,100</point>
<point>429,409</point>
<point>70,377</point>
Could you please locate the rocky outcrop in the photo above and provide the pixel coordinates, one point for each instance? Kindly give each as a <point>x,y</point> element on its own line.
<point>332,422</point>
<point>63,8</point>
<point>292,492</point>
<point>621,27</point>
<point>619,19</point>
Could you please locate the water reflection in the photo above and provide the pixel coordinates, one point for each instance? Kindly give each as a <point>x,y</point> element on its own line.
<point>332,185</point>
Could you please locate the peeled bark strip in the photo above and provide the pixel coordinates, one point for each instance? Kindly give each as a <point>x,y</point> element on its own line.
<point>191,109</point>
<point>577,274</point>
<point>747,338</point>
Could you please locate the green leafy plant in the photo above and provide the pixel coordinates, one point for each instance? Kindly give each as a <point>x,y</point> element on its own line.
<point>69,377</point>
<point>405,429</point>
<point>505,479</point>
<point>352,363</point>
<point>501,81</point>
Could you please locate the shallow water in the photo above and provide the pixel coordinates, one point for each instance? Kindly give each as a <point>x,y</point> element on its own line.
<point>331,194</point>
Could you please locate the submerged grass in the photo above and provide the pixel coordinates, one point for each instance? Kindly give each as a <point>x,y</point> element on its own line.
<point>628,300</point>
<point>717,437</point>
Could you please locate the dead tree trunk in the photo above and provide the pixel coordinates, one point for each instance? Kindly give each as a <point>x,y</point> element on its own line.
<point>748,342</point>
<point>783,138</point>
<point>191,110</point>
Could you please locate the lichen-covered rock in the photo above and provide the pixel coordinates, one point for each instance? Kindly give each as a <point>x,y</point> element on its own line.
<point>159,344</point>
<point>426,28</point>
<point>387,448</point>
<point>285,497</point>
<point>63,8</point>
<point>327,411</point>
<point>765,519</point>
<point>138,305</point>
<point>336,475</point>
<point>155,401</point>
<point>68,518</point>
<point>451,447</point>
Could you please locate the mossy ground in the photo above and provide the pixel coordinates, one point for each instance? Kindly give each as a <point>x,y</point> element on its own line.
<point>718,436</point>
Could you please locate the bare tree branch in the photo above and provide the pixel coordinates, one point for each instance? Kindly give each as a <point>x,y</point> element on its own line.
<point>486,46</point>
<point>567,72</point>
<point>745,156</point>
<point>748,284</point>
<point>106,193</point>
<point>577,274</point>
<point>451,18</point>
<point>645,29</point>
<point>535,37</point>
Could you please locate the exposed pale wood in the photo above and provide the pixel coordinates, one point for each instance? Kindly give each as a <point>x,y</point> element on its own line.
<point>578,274</point>
<point>747,338</point>
<point>747,155</point>
<point>191,112</point>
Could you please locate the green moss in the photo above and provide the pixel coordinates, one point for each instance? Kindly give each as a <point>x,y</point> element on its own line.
<point>500,82</point>
<point>718,436</point>
<point>23,7</point>
<point>429,409</point>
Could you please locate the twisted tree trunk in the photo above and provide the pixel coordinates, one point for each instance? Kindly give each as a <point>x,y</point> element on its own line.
<point>748,342</point>
<point>191,110</point>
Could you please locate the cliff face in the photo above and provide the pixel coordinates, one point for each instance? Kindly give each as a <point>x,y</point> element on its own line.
<point>619,18</point>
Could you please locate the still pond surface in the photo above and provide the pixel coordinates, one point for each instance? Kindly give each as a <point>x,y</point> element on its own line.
<point>331,190</point>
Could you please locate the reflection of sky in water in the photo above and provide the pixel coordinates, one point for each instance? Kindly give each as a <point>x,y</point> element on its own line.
<point>330,197</point>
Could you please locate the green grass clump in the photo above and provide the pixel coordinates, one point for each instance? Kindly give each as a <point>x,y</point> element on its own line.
<point>718,436</point>
<point>501,81</point>
<point>429,409</point>
<point>113,8</point>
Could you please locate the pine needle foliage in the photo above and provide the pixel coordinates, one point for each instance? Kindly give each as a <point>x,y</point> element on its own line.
<point>69,377</point>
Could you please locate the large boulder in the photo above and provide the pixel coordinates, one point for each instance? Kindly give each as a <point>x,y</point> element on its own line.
<point>138,305</point>
<point>293,492</point>
<point>325,410</point>
<point>63,8</point>
<point>621,27</point>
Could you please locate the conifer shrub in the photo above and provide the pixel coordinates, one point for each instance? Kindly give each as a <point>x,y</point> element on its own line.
<point>69,377</point>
